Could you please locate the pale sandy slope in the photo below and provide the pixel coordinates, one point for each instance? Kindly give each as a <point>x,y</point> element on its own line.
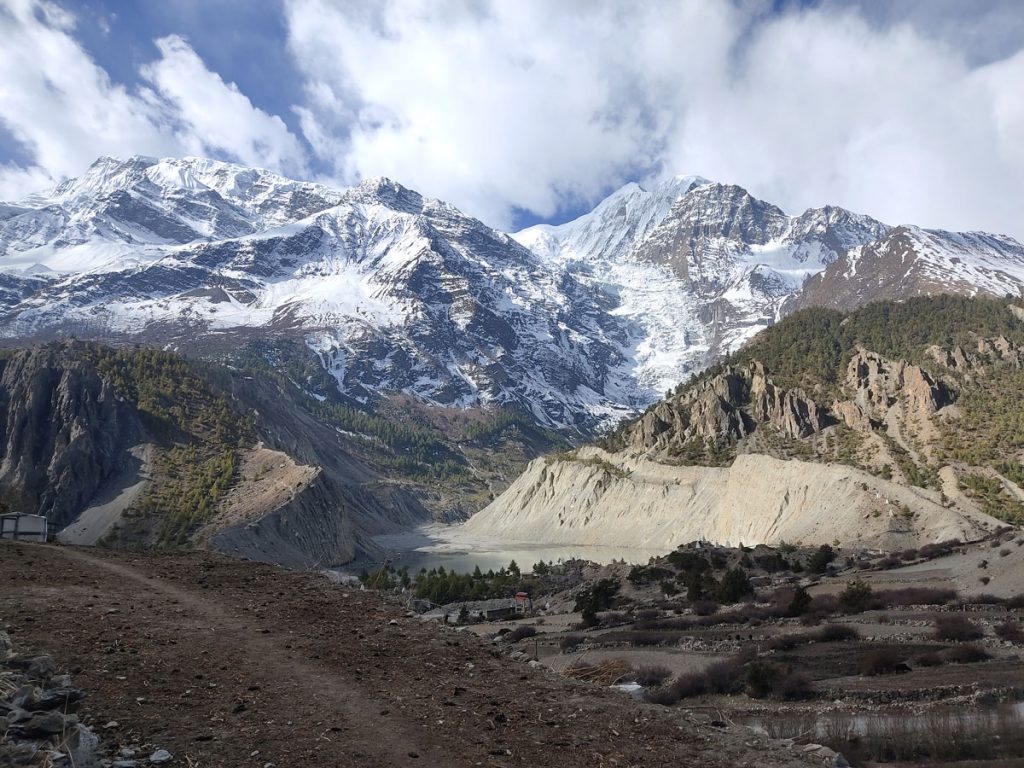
<point>611,499</point>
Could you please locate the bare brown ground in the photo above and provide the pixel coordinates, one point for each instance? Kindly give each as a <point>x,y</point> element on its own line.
<point>227,663</point>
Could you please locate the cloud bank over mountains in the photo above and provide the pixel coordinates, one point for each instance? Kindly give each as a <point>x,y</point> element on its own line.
<point>533,110</point>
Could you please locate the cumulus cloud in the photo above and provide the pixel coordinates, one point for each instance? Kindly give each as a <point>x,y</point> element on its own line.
<point>211,116</point>
<point>64,111</point>
<point>911,111</point>
<point>533,105</point>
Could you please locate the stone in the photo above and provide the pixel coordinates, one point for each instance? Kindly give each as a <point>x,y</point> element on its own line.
<point>83,746</point>
<point>55,698</point>
<point>161,756</point>
<point>41,725</point>
<point>124,764</point>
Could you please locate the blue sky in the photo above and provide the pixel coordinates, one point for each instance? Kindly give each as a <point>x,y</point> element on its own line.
<point>911,110</point>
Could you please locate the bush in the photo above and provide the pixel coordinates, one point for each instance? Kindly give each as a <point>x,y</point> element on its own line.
<point>651,675</point>
<point>1016,602</point>
<point>794,686</point>
<point>820,559</point>
<point>1010,630</point>
<point>705,607</point>
<point>984,599</point>
<point>966,654</point>
<point>520,633</point>
<point>956,628</point>
<point>735,586</point>
<point>723,676</point>
<point>597,597</point>
<point>760,678</point>
<point>800,603</point>
<point>570,643</point>
<point>856,598</point>
<point>930,659</point>
<point>837,633</point>
<point>884,661</point>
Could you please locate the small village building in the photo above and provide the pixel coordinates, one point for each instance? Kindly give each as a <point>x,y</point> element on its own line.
<point>482,610</point>
<point>21,527</point>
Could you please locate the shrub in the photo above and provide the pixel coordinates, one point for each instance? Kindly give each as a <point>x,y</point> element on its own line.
<point>984,599</point>
<point>856,598</point>
<point>651,675</point>
<point>794,686</point>
<point>1010,630</point>
<point>891,598</point>
<point>820,559</point>
<point>613,619</point>
<point>723,676</point>
<point>789,641</point>
<point>966,654</point>
<point>957,628</point>
<point>838,632</point>
<point>598,597</point>
<point>520,633</point>
<point>930,659</point>
<point>800,603</point>
<point>884,661</point>
<point>1015,602</point>
<point>760,678</point>
<point>705,607</point>
<point>570,643</point>
<point>735,586</point>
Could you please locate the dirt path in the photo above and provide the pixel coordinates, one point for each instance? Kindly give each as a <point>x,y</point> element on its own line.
<point>236,664</point>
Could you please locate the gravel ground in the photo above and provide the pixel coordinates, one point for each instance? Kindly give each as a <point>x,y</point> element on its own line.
<point>227,663</point>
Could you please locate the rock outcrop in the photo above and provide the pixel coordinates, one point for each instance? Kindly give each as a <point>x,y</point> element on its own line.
<point>893,393</point>
<point>724,409</point>
<point>65,433</point>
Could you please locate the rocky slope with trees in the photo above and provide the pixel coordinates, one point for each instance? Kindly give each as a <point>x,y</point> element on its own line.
<point>892,425</point>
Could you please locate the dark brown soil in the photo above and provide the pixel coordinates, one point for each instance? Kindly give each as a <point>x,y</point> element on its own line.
<point>226,663</point>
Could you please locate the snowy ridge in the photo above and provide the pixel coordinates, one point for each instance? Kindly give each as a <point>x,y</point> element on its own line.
<point>578,324</point>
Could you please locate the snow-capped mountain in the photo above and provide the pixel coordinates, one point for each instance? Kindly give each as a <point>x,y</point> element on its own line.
<point>393,291</point>
<point>911,261</point>
<point>576,323</point>
<point>699,266</point>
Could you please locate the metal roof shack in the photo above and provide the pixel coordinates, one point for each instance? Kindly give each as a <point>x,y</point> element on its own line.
<point>22,527</point>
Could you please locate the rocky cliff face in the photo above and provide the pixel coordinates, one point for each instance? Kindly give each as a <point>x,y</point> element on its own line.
<point>65,433</point>
<point>725,408</point>
<point>91,447</point>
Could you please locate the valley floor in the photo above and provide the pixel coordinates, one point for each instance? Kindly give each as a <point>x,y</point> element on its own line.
<point>228,663</point>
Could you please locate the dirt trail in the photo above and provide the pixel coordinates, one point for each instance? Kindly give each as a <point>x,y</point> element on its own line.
<point>227,663</point>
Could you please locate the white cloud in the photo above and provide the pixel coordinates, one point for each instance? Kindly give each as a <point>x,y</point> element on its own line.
<point>65,112</point>
<point>497,106</point>
<point>214,117</point>
<point>912,112</point>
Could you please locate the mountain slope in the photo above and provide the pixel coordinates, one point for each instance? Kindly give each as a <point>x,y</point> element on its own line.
<point>909,261</point>
<point>911,407</point>
<point>393,291</point>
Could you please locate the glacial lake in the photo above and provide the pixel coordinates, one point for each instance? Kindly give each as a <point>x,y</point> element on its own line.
<point>434,545</point>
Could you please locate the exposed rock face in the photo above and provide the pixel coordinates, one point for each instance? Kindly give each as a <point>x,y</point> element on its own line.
<point>69,442</point>
<point>65,433</point>
<point>879,384</point>
<point>910,261</point>
<point>725,409</point>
